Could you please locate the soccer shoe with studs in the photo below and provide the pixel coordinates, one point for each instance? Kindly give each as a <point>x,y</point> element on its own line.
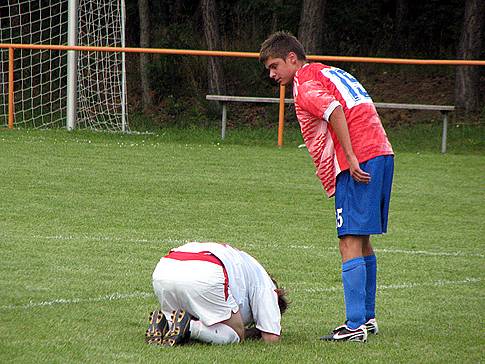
<point>344,333</point>
<point>371,326</point>
<point>179,332</point>
<point>157,328</point>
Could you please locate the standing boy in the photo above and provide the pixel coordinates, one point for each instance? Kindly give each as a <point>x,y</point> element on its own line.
<point>354,161</point>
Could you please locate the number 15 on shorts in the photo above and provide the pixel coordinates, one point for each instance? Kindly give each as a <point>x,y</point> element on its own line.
<point>339,218</point>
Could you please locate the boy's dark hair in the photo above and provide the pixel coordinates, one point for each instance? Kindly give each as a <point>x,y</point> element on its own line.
<point>282,299</point>
<point>279,44</point>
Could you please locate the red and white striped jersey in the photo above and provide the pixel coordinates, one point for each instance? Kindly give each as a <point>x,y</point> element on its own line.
<point>317,90</point>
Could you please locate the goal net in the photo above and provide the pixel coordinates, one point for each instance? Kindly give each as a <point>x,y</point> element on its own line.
<point>41,76</point>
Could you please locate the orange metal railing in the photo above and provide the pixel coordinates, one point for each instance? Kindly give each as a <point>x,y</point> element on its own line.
<point>187,52</point>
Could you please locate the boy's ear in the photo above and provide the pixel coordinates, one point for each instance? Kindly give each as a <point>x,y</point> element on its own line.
<point>292,57</point>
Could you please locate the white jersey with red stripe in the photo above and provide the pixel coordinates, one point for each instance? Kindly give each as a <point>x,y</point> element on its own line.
<point>319,89</point>
<point>249,284</point>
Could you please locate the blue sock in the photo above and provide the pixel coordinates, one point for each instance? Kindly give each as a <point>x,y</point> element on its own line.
<point>370,287</point>
<point>354,279</point>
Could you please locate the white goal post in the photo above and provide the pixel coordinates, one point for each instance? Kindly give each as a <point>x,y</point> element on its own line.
<point>73,89</point>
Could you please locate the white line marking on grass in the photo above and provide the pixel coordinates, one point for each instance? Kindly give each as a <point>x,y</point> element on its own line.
<point>411,285</point>
<point>110,238</point>
<point>252,245</point>
<point>123,296</point>
<point>423,252</point>
<point>62,301</point>
<point>377,250</point>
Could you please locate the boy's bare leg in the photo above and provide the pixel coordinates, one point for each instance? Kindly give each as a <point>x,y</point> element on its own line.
<point>353,246</point>
<point>230,331</point>
<point>236,323</point>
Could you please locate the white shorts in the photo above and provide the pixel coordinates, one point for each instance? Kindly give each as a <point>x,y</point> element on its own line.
<point>199,287</point>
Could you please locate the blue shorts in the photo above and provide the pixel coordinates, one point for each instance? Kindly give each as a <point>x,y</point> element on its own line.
<point>362,209</point>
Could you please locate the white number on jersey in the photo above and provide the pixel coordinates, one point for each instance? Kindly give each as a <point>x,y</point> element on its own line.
<point>350,89</point>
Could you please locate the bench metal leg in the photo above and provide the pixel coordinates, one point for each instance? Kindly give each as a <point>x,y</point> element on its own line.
<point>224,119</point>
<point>445,131</point>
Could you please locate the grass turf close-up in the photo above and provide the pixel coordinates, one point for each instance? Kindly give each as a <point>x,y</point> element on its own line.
<point>86,217</point>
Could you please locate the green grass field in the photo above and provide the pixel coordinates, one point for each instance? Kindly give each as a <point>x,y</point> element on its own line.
<point>86,216</point>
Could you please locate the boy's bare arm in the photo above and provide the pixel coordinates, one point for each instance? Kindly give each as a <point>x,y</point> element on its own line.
<point>254,333</point>
<point>269,338</point>
<point>339,125</point>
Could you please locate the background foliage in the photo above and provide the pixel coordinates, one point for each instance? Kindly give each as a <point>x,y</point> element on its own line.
<point>431,29</point>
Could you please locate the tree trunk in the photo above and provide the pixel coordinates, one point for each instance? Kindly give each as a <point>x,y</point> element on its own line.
<point>275,20</point>
<point>310,32</point>
<point>467,85</point>
<point>401,21</point>
<point>144,14</point>
<point>212,37</point>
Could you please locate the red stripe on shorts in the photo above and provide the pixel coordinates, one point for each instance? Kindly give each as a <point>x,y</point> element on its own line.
<point>205,257</point>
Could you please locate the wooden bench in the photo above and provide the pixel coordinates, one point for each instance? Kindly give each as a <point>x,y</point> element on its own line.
<point>223,99</point>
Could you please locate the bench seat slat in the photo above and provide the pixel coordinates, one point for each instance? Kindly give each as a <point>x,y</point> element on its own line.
<point>246,99</point>
<point>383,105</point>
